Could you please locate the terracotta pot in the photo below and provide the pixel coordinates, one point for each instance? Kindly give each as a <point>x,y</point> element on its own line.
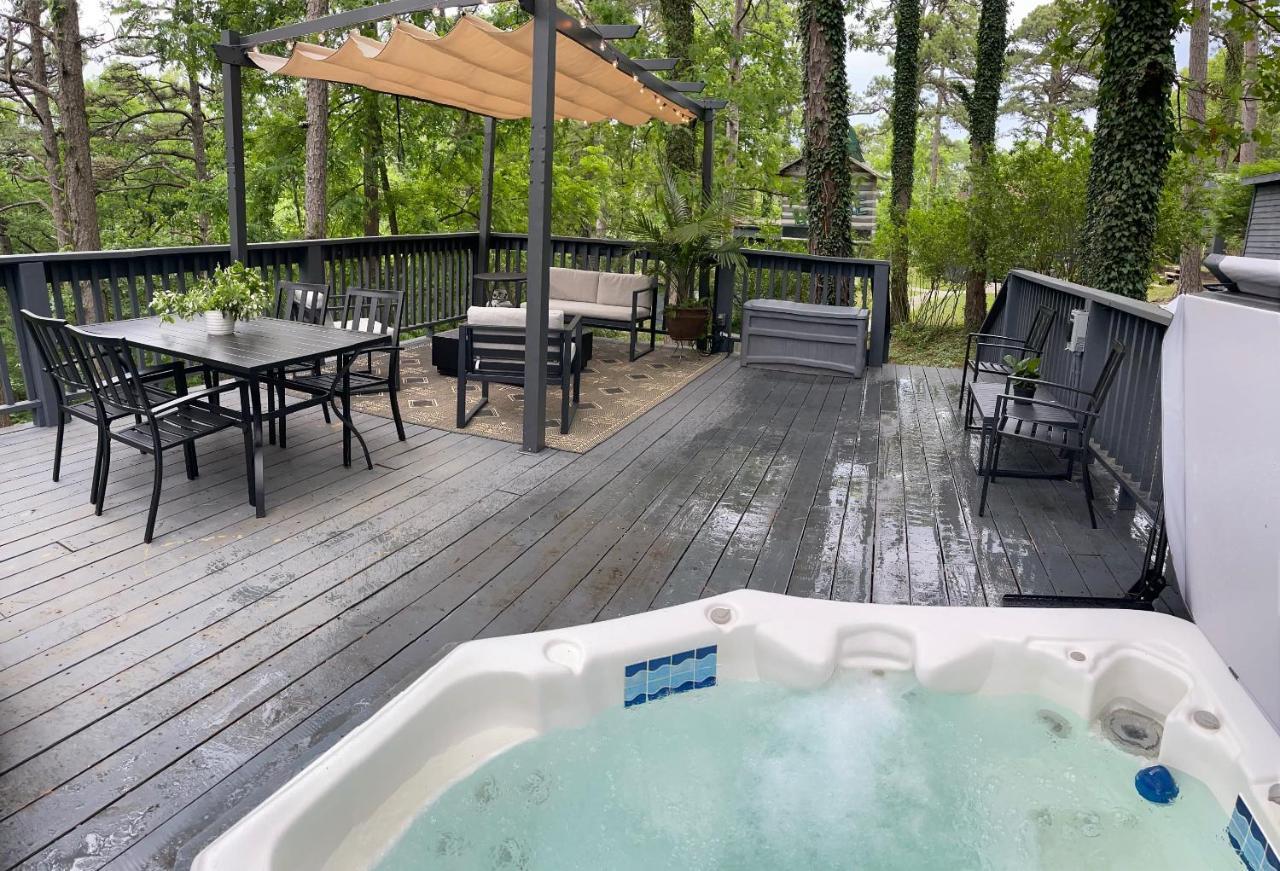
<point>687,324</point>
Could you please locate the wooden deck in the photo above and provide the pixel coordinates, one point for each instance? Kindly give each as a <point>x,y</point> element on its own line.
<point>149,696</point>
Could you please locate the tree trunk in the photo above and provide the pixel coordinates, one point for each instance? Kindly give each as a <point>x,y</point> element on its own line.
<point>369,162</point>
<point>380,148</point>
<point>1132,142</point>
<point>1232,81</point>
<point>50,155</point>
<point>733,118</point>
<point>677,29</point>
<point>315,195</point>
<point>82,191</point>
<point>906,90</point>
<point>935,144</point>
<point>199,153</point>
<point>1249,111</point>
<point>984,111</point>
<point>1197,78</point>
<point>827,183</point>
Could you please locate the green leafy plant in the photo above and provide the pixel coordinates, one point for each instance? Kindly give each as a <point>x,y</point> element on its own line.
<point>236,290</point>
<point>686,234</point>
<point>1027,369</point>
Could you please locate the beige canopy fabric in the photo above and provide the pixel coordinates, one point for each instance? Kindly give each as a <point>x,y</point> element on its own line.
<point>481,68</point>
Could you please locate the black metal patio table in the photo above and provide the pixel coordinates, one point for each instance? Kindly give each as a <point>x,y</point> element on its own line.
<point>256,349</point>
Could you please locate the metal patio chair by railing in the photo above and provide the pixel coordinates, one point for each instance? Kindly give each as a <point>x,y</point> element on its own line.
<point>308,303</point>
<point>1031,346</point>
<point>73,388</point>
<point>179,421</point>
<point>491,350</point>
<point>376,312</point>
<point>1017,418</point>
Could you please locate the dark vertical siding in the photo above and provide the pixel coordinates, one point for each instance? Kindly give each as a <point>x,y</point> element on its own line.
<point>1263,236</point>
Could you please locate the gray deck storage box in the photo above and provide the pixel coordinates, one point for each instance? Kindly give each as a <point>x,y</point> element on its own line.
<point>805,337</point>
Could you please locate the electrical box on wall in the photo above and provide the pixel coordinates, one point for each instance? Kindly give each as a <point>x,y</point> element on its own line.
<point>1079,327</point>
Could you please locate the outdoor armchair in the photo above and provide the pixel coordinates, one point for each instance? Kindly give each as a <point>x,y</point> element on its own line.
<point>998,345</point>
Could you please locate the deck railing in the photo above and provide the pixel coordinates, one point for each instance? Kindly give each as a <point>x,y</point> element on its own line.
<point>434,271</point>
<point>1126,439</point>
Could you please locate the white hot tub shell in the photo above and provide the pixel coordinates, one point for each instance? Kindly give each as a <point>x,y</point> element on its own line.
<point>345,809</point>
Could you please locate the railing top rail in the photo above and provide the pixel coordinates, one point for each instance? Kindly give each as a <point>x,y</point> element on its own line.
<point>814,258</point>
<point>1135,307</point>
<point>170,251</point>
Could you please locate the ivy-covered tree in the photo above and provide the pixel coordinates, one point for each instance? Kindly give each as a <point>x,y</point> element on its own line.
<point>677,29</point>
<point>902,118</point>
<point>1132,144</point>
<point>827,184</point>
<point>983,103</point>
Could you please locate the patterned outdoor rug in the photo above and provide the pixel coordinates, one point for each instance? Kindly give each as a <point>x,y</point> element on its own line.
<point>614,393</point>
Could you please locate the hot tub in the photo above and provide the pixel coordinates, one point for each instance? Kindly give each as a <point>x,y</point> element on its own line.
<point>1110,669</point>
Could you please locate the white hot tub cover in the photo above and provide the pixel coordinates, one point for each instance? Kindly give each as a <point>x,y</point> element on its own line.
<point>478,67</point>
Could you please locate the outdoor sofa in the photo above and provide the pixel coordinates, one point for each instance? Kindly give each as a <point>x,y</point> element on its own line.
<point>614,300</point>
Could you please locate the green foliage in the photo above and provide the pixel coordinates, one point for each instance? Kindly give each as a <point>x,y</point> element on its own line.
<point>236,291</point>
<point>1131,146</point>
<point>828,190</point>
<point>1025,367</point>
<point>687,234</point>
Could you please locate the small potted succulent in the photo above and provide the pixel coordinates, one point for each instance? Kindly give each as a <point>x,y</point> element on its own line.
<point>686,235</point>
<point>1027,368</point>
<point>229,294</point>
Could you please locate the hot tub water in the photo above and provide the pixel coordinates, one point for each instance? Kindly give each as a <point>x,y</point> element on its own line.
<point>868,772</point>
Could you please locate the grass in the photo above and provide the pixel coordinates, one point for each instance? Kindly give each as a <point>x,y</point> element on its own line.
<point>914,345</point>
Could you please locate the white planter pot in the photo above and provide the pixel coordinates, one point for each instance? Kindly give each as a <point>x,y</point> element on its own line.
<point>218,324</point>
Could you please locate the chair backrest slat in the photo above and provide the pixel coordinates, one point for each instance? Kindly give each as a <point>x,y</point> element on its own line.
<point>1038,335</point>
<point>302,301</point>
<point>372,311</point>
<point>113,372</point>
<point>58,354</point>
<point>1107,375</point>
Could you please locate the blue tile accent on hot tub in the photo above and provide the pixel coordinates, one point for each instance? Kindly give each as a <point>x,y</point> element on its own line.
<point>1249,840</point>
<point>678,673</point>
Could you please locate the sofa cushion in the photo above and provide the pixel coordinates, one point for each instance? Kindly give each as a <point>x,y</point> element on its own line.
<point>596,311</point>
<point>578,285</point>
<point>502,316</point>
<point>616,288</point>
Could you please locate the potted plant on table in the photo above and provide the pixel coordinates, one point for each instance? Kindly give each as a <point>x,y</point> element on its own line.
<point>686,235</point>
<point>1027,369</point>
<point>227,295</point>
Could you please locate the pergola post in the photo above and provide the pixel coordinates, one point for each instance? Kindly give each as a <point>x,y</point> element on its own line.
<point>541,149</point>
<point>708,122</point>
<point>233,136</point>
<point>486,207</point>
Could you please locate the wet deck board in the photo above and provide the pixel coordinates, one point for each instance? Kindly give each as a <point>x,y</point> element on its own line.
<point>149,695</point>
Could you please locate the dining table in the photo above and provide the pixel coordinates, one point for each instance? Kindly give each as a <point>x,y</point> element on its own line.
<point>256,349</point>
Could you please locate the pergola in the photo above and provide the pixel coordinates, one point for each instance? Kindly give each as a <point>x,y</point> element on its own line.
<point>555,66</point>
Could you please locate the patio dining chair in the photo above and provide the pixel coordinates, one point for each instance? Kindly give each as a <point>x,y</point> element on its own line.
<point>491,349</point>
<point>1016,419</point>
<point>977,343</point>
<point>159,423</point>
<point>304,302</point>
<point>365,373</point>
<point>72,389</point>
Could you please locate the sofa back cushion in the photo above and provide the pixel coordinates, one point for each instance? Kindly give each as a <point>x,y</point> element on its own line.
<point>616,288</point>
<point>578,285</point>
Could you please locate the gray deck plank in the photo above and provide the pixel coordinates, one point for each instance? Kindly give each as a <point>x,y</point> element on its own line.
<point>148,696</point>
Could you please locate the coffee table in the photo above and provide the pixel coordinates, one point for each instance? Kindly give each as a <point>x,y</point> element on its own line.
<point>444,351</point>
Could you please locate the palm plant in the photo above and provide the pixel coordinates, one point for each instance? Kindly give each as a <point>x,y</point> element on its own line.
<point>685,235</point>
